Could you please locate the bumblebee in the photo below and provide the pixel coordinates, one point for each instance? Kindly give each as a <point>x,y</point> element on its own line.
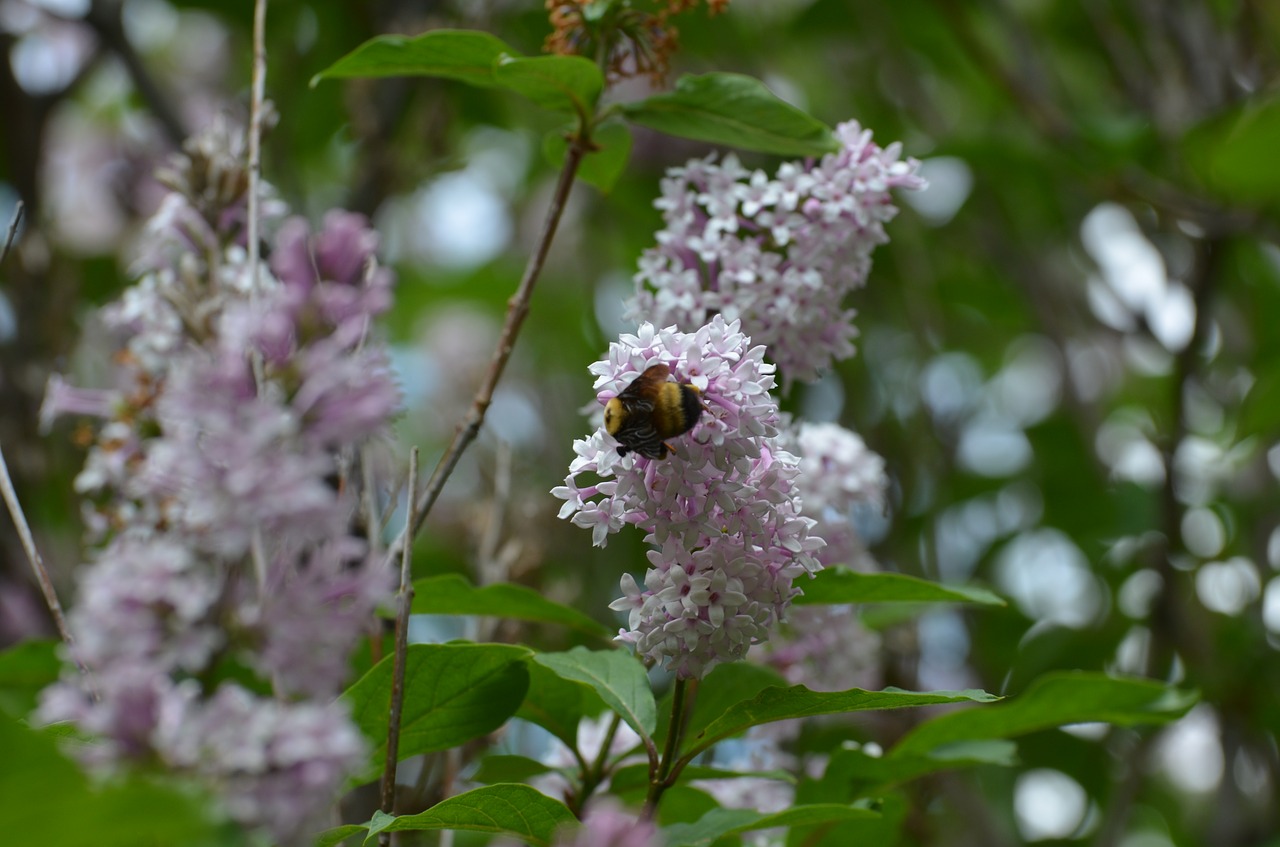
<point>651,410</point>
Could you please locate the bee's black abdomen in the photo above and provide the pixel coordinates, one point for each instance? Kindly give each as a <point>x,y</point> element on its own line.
<point>690,406</point>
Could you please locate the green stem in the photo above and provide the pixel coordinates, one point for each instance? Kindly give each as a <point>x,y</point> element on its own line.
<point>659,778</point>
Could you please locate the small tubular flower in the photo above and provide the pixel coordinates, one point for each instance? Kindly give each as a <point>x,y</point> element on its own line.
<point>723,513</point>
<point>779,253</point>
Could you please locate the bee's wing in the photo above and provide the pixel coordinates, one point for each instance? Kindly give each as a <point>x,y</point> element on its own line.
<point>646,386</point>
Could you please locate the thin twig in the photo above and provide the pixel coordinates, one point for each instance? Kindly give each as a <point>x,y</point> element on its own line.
<point>15,508</point>
<point>517,310</point>
<point>13,230</point>
<point>33,556</point>
<point>255,131</point>
<point>404,602</point>
<point>658,780</point>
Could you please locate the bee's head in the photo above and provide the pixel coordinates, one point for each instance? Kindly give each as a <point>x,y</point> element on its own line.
<point>614,414</point>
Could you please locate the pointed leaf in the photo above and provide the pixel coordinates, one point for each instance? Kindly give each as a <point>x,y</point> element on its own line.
<point>636,777</point>
<point>461,54</point>
<point>561,83</point>
<point>1053,700</point>
<point>719,823</point>
<point>841,585</point>
<point>452,594</point>
<point>734,110</point>
<point>776,704</point>
<point>339,834</point>
<point>557,704</point>
<point>508,809</point>
<point>496,768</point>
<point>724,687</point>
<point>855,768</point>
<point>616,675</point>
<point>452,693</point>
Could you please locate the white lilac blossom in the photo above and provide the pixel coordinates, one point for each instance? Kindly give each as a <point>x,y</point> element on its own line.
<point>217,489</point>
<point>722,513</point>
<point>838,474</point>
<point>779,253</point>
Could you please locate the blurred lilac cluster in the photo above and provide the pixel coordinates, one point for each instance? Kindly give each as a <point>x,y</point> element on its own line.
<point>723,514</point>
<point>220,498</point>
<point>779,254</point>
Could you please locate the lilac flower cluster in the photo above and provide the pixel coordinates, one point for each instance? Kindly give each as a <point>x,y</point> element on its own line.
<point>723,513</point>
<point>219,493</point>
<point>838,473</point>
<point>778,254</point>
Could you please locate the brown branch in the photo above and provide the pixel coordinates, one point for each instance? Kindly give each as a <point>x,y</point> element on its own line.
<point>517,310</point>
<point>404,602</point>
<point>33,556</point>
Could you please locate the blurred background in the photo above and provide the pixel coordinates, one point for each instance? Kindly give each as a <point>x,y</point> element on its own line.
<point>1069,354</point>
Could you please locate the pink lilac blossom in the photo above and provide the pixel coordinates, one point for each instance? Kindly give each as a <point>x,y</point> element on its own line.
<point>780,254</point>
<point>607,824</point>
<point>722,514</point>
<point>228,542</point>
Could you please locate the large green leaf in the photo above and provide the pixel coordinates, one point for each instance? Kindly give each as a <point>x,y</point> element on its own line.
<point>719,823</point>
<point>557,704</point>
<point>853,768</point>
<point>452,693</point>
<point>841,585</point>
<point>1053,700</point>
<point>46,800</point>
<point>509,809</point>
<point>724,687</point>
<point>461,54</point>
<point>616,675</point>
<point>452,594</point>
<point>635,778</point>
<point>779,704</point>
<point>734,110</point>
<point>1235,153</point>
<point>561,83</point>
<point>496,768</point>
<point>25,669</point>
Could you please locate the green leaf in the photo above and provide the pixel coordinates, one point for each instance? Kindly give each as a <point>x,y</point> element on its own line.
<point>854,767</point>
<point>616,675</point>
<point>49,802</point>
<point>602,166</point>
<point>497,768</point>
<point>25,669</point>
<point>452,693</point>
<point>339,834</point>
<point>841,585</point>
<point>734,110</point>
<point>557,704</point>
<point>726,686</point>
<point>1235,153</point>
<point>1051,701</point>
<point>777,704</point>
<point>452,594</point>
<point>719,823</point>
<point>461,54</point>
<point>560,83</point>
<point>636,777</point>
<point>515,810</point>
